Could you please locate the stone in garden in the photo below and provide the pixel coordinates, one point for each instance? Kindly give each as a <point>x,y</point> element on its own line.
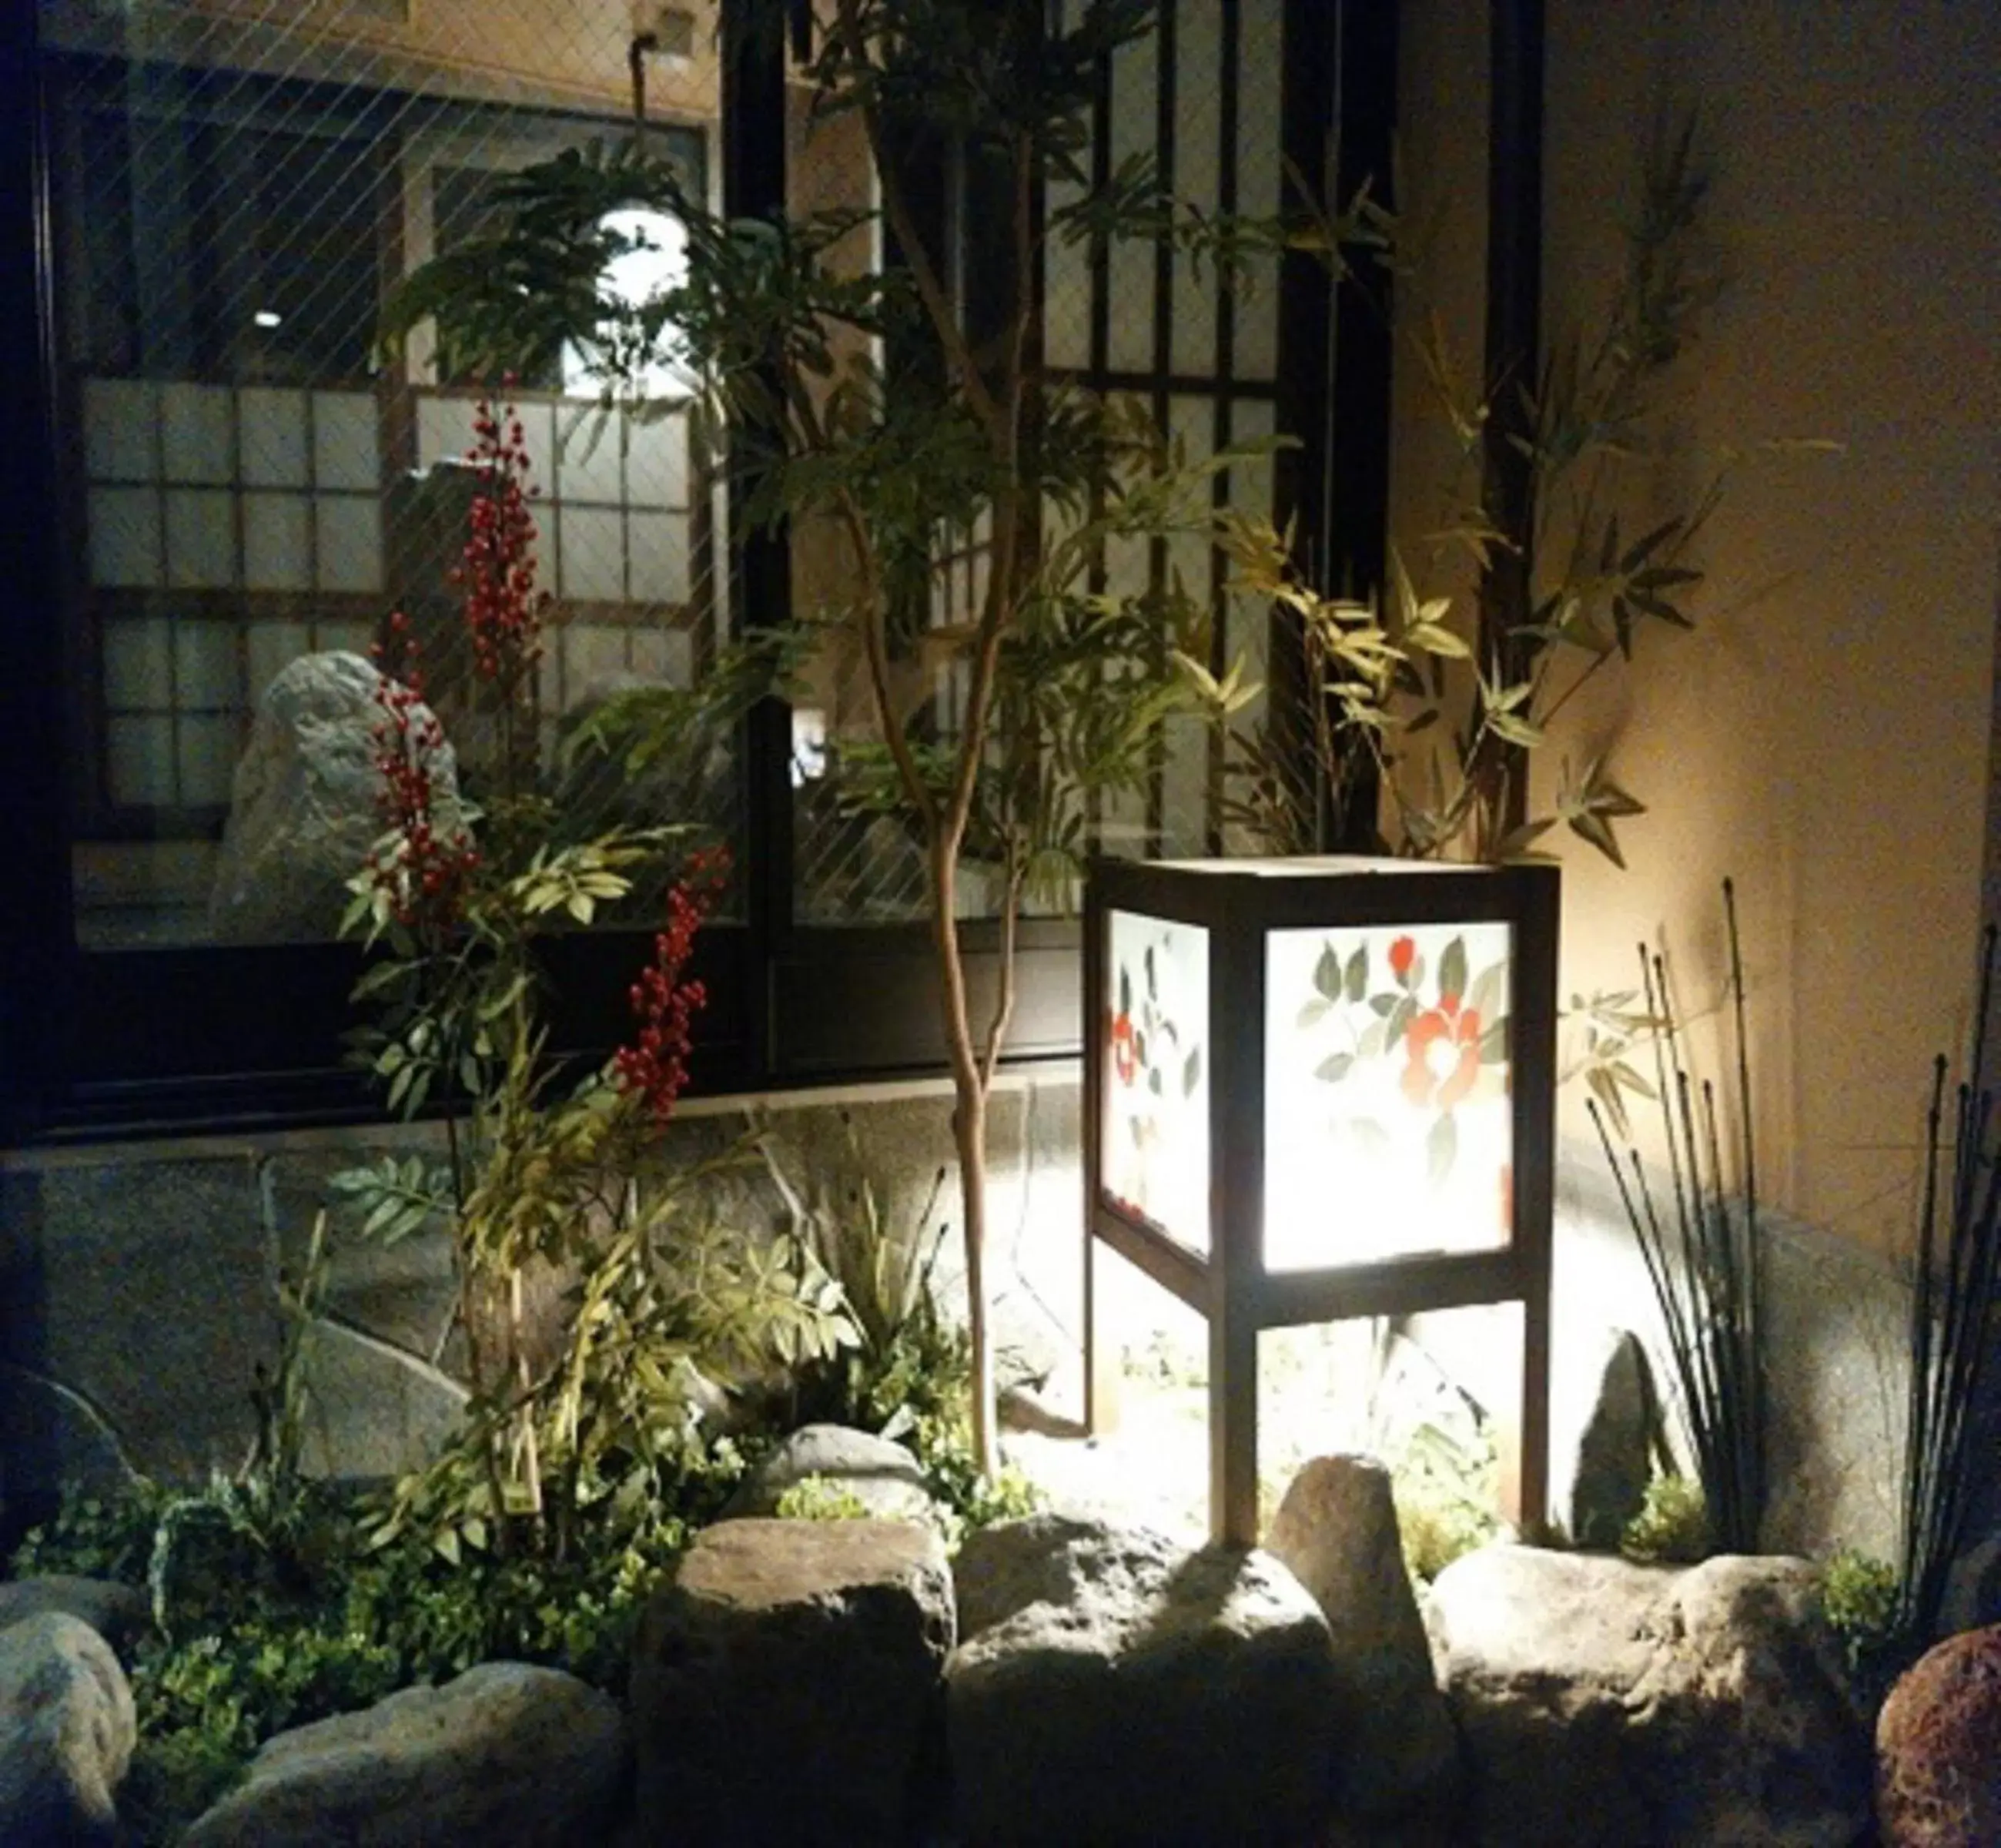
<point>784,1682</point>
<point>1115,1687</point>
<point>1336,1530</point>
<point>1938,1748</point>
<point>303,810</point>
<point>881,1475</point>
<point>1603,1703</point>
<point>1615,1457</point>
<point>505,1756</point>
<point>119,1614</point>
<point>66,1731</point>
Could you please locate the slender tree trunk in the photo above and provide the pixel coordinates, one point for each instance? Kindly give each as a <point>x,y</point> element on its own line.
<point>968,1133</point>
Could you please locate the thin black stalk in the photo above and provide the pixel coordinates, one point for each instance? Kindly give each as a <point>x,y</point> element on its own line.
<point>1956,1275</point>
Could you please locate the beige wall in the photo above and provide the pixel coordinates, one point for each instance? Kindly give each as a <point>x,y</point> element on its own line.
<point>1824,736</point>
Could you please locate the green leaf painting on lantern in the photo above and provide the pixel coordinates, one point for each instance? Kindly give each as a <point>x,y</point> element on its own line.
<point>1387,1120</point>
<point>1154,1141</point>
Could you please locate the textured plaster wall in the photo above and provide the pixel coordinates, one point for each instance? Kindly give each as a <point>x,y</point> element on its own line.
<point>1823,735</point>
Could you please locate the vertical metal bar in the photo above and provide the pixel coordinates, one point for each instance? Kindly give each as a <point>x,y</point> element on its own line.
<point>1514,310</point>
<point>36,938</point>
<point>754,133</point>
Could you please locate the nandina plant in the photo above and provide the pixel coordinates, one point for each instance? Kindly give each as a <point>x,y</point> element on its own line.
<point>913,419</point>
<point>558,1180</point>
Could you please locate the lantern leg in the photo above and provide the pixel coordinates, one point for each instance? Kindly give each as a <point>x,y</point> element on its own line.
<point>1529,1496</point>
<point>1233,1426</point>
<point>1101,1358</point>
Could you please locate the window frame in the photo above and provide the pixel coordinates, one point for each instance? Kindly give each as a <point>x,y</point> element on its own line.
<point>111,1042</point>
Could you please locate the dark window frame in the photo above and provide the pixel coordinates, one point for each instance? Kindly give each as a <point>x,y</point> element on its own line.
<point>124,1042</point>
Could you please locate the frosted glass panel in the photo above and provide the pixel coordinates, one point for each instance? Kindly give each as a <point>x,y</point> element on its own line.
<point>594,660</point>
<point>660,557</point>
<point>593,563</point>
<point>344,440</point>
<point>350,542</point>
<point>1153,1138</point>
<point>138,666</point>
<point>205,666</point>
<point>118,432</point>
<point>1388,1127</point>
<point>587,467</point>
<point>139,760</point>
<point>657,465</point>
<point>664,655</point>
<point>444,429</point>
<point>201,539</point>
<point>1198,176</point>
<point>196,439</point>
<point>273,425</point>
<point>124,536</point>
<point>207,748</point>
<point>278,549</point>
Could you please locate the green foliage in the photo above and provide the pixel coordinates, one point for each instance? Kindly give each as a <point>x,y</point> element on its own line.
<point>1444,1491</point>
<point>814,1499</point>
<point>1673,1526</point>
<point>1443,704</point>
<point>95,1535</point>
<point>264,1624</point>
<point>1861,1600</point>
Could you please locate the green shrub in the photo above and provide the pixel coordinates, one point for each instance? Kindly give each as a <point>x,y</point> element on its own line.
<point>1673,1525</point>
<point>1859,1598</point>
<point>815,1499</point>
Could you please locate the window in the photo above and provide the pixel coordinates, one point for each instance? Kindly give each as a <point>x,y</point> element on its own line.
<point>238,480</point>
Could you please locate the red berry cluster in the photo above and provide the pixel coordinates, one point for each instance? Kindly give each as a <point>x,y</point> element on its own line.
<point>654,1067</point>
<point>422,868</point>
<point>503,609</point>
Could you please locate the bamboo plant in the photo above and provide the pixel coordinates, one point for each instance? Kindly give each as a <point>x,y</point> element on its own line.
<point>1704,1253</point>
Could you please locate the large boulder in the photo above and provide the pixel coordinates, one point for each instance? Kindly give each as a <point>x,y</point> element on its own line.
<point>784,1681</point>
<point>303,810</point>
<point>1115,1687</point>
<point>66,1731</point>
<point>1336,1530</point>
<point>120,1613</point>
<point>1606,1702</point>
<point>881,1475</point>
<point>1938,1748</point>
<point>505,1756</point>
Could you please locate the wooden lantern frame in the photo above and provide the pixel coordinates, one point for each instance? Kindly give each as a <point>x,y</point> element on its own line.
<point>1239,902</point>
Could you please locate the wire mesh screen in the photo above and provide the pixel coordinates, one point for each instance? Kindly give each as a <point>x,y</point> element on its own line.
<point>237,184</point>
<point>1200,95</point>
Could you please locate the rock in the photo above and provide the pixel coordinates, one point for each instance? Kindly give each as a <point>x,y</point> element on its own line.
<point>1615,1457</point>
<point>1114,1687</point>
<point>505,1756</point>
<point>66,1731</point>
<point>1604,1703</point>
<point>302,810</point>
<point>1336,1530</point>
<point>882,1476</point>
<point>119,1614</point>
<point>783,1680</point>
<point>1938,1748</point>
